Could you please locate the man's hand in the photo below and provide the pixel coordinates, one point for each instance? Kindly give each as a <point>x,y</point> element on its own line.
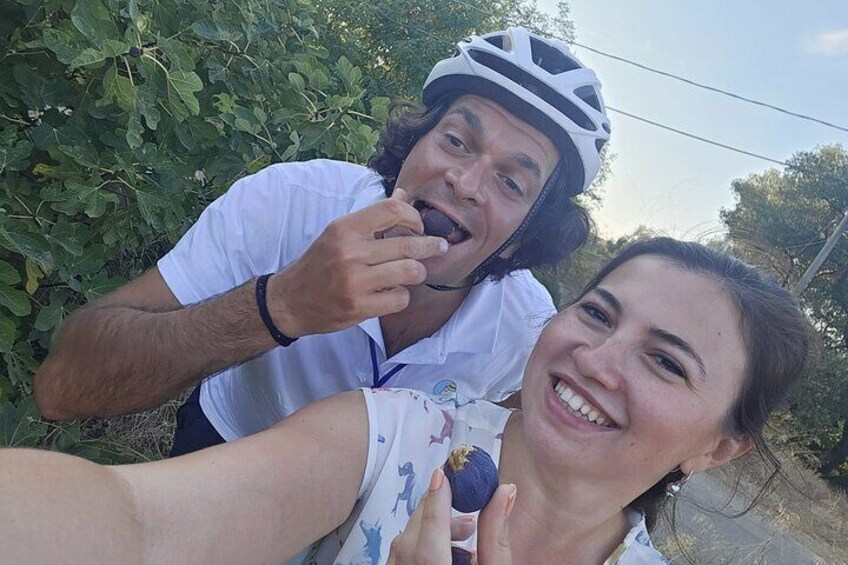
<point>426,540</point>
<point>351,272</point>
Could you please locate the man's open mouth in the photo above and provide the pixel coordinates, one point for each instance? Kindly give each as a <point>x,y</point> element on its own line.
<point>439,224</point>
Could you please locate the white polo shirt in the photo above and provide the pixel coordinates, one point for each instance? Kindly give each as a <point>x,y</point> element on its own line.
<point>268,220</point>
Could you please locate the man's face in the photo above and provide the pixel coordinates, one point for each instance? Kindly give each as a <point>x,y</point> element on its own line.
<point>483,168</point>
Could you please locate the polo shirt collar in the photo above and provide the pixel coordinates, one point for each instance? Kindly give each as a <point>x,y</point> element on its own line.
<point>473,328</point>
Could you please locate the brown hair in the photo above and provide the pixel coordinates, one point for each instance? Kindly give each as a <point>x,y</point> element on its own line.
<point>776,334</point>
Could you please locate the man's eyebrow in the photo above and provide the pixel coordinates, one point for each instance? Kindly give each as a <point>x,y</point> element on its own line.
<point>476,126</point>
<point>470,118</point>
<point>529,163</point>
<point>682,345</point>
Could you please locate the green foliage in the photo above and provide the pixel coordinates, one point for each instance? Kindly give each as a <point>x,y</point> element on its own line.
<point>397,42</point>
<point>780,221</point>
<point>119,122</point>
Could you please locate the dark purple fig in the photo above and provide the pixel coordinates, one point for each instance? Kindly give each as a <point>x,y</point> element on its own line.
<point>436,223</point>
<point>135,51</point>
<point>460,557</point>
<point>473,478</point>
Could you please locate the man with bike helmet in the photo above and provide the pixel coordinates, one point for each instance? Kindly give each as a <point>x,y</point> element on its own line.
<point>308,279</point>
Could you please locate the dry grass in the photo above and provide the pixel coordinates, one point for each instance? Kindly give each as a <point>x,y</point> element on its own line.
<point>798,501</point>
<point>145,436</point>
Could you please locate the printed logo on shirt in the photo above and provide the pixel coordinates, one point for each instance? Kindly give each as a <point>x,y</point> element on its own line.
<point>445,387</point>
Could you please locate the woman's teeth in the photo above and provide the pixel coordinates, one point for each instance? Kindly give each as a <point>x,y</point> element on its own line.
<point>579,406</point>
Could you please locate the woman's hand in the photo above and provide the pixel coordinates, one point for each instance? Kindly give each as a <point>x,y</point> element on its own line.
<point>426,540</point>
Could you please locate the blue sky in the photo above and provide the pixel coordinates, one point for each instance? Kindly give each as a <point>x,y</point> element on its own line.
<point>790,54</point>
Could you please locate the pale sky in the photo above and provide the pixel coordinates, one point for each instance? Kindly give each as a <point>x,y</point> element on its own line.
<point>789,54</point>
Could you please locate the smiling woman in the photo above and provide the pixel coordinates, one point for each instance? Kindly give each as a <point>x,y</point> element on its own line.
<point>668,364</point>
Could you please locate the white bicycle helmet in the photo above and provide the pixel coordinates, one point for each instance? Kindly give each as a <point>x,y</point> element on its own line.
<point>540,81</point>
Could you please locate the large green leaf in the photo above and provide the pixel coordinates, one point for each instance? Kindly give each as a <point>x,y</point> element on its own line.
<point>184,85</point>
<point>15,300</point>
<point>49,317</point>
<point>8,274</point>
<point>215,31</point>
<point>7,333</point>
<point>94,21</point>
<point>118,89</point>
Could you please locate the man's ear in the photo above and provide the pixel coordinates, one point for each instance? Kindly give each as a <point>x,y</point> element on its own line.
<point>728,449</point>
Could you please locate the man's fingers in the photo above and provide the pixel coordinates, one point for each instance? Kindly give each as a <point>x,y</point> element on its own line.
<point>493,542</point>
<point>405,272</point>
<point>402,195</point>
<point>383,215</point>
<point>414,247</point>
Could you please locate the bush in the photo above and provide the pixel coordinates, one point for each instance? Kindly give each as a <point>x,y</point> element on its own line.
<point>119,123</point>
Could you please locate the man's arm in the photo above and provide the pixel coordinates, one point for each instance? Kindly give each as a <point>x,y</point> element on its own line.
<point>257,500</point>
<point>137,347</point>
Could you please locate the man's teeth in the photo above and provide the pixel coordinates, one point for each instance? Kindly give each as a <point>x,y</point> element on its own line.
<point>439,224</point>
<point>579,406</point>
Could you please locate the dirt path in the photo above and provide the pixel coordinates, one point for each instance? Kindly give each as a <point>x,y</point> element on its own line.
<point>713,538</point>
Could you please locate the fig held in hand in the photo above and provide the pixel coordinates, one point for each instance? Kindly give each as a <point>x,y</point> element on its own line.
<point>473,478</point>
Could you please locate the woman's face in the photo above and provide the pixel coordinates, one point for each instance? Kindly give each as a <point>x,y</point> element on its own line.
<point>637,377</point>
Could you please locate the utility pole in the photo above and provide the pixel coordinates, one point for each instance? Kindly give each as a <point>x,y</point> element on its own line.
<point>825,251</point>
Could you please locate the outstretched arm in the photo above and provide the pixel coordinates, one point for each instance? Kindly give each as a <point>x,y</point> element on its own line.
<point>257,500</point>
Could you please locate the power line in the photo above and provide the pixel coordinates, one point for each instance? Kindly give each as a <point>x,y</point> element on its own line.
<point>698,137</point>
<point>711,88</point>
<point>671,75</point>
<point>630,115</point>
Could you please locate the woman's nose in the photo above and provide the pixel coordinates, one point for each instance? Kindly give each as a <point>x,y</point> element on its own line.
<point>602,362</point>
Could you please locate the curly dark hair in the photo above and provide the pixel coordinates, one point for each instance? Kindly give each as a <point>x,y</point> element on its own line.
<point>559,227</point>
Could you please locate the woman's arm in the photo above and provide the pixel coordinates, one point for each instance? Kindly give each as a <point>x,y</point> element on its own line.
<point>258,500</point>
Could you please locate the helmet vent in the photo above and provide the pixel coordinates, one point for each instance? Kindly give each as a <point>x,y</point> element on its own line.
<point>549,58</point>
<point>599,144</point>
<point>496,40</point>
<point>534,85</point>
<point>588,95</point>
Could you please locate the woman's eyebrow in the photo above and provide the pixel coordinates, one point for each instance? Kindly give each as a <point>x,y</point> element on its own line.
<point>609,298</point>
<point>682,345</point>
<point>666,336</point>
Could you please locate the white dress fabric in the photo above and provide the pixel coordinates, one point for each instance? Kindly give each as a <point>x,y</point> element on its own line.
<point>264,223</point>
<point>410,434</point>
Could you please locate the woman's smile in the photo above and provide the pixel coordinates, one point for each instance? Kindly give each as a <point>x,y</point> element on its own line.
<point>576,407</point>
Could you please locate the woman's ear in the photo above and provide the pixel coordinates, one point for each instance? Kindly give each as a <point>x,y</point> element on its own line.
<point>728,449</point>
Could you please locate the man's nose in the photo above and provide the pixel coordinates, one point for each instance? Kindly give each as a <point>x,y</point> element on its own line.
<point>468,181</point>
<point>602,361</point>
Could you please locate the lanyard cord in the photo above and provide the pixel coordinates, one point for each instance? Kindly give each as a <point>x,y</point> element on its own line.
<point>375,367</point>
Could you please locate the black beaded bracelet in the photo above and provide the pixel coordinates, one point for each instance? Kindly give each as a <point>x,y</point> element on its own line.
<point>261,302</point>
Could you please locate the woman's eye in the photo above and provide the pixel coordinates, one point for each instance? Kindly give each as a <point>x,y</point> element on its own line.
<point>668,364</point>
<point>596,313</point>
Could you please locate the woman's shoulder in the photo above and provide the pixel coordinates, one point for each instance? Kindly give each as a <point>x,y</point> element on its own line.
<point>636,548</point>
